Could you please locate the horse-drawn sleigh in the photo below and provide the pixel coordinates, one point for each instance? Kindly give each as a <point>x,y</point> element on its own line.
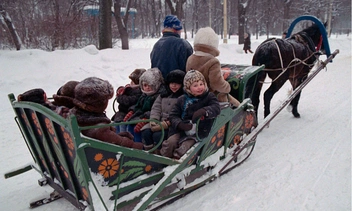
<point>91,173</point>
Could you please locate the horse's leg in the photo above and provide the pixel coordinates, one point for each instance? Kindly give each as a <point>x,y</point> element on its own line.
<point>257,89</point>
<point>269,93</point>
<point>294,103</point>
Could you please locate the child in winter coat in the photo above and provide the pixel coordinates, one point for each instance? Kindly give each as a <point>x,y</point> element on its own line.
<point>127,96</point>
<point>91,99</point>
<point>63,99</point>
<point>204,60</point>
<point>196,103</point>
<point>161,109</point>
<point>151,83</point>
<point>37,95</point>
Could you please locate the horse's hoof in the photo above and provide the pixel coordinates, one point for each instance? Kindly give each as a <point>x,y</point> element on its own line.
<point>297,115</point>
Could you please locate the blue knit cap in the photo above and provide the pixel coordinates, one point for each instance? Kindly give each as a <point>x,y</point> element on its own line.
<point>173,22</point>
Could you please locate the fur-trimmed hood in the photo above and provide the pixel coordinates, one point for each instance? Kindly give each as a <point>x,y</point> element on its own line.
<point>153,78</point>
<point>207,41</point>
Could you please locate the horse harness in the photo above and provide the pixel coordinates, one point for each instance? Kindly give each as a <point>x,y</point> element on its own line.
<point>303,38</point>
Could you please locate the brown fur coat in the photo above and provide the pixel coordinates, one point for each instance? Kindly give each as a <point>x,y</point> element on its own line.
<point>206,63</point>
<point>107,134</point>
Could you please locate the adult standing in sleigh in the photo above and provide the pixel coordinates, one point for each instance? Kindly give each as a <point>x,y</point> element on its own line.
<point>171,52</point>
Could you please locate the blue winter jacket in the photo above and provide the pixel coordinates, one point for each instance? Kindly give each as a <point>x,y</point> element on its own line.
<point>170,52</point>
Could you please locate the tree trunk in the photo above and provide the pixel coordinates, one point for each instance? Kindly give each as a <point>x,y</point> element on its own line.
<point>159,18</point>
<point>285,23</point>
<point>241,21</point>
<point>57,29</point>
<point>105,38</point>
<point>16,39</point>
<point>122,23</point>
<point>155,25</point>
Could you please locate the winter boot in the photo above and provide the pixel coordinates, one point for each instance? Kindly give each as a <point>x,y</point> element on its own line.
<point>148,147</point>
<point>184,147</point>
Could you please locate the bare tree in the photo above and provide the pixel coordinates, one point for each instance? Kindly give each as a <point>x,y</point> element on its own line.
<point>62,24</point>
<point>242,8</point>
<point>16,39</point>
<point>105,37</point>
<point>287,6</point>
<point>122,22</point>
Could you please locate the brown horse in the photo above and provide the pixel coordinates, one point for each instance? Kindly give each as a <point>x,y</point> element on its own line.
<point>285,59</point>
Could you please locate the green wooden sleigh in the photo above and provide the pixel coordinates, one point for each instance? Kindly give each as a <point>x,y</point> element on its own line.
<point>102,176</point>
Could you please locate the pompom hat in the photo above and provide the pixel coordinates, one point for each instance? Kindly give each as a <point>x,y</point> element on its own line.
<point>191,77</point>
<point>207,36</point>
<point>173,22</point>
<point>93,94</point>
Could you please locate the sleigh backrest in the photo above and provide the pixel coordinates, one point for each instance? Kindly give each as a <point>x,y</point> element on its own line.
<point>241,78</point>
<point>78,167</point>
<point>49,139</point>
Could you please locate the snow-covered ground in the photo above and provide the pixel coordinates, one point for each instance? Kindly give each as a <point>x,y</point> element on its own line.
<point>297,164</point>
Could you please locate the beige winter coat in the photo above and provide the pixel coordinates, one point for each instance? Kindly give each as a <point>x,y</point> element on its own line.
<point>205,62</point>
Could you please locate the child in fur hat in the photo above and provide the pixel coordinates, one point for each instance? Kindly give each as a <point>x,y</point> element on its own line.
<point>127,96</point>
<point>161,109</point>
<point>65,94</point>
<point>152,84</point>
<point>204,60</point>
<point>37,95</point>
<point>63,99</point>
<point>91,99</point>
<point>197,103</point>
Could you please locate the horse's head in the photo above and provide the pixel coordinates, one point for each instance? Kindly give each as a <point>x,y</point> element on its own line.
<point>314,33</point>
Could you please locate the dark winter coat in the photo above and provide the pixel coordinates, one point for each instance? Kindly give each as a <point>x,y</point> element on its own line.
<point>153,78</point>
<point>164,103</point>
<point>144,105</point>
<point>162,107</point>
<point>170,52</point>
<point>107,134</point>
<point>247,43</point>
<point>128,99</point>
<point>186,105</point>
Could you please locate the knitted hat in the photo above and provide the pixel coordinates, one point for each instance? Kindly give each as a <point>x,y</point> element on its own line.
<point>93,94</point>
<point>153,78</point>
<point>136,74</point>
<point>173,22</point>
<point>65,94</point>
<point>34,95</point>
<point>207,36</point>
<point>191,77</point>
<point>175,76</point>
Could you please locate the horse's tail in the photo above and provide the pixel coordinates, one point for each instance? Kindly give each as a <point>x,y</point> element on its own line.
<point>261,55</point>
